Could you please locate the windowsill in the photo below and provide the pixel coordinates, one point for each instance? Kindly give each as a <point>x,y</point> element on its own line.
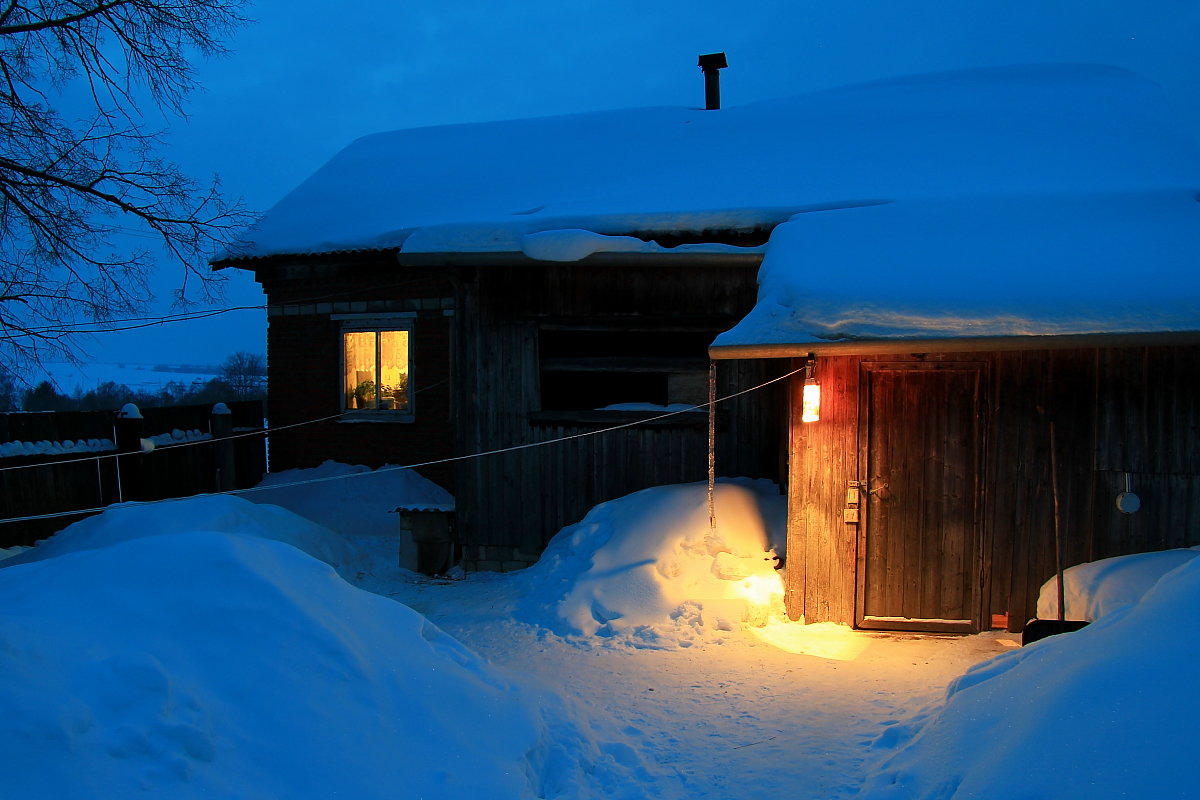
<point>377,416</point>
<point>608,419</point>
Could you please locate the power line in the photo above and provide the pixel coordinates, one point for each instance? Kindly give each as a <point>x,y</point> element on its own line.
<point>452,459</point>
<point>136,323</point>
<point>262,432</point>
<point>257,432</point>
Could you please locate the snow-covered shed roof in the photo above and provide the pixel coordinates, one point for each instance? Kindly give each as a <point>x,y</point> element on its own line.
<point>560,188</point>
<point>996,272</point>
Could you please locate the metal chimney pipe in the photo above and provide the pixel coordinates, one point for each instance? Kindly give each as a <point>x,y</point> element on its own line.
<point>710,64</point>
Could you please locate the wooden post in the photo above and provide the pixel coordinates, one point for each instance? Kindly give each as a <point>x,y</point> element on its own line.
<point>712,447</point>
<point>127,429</point>
<point>1058,555</point>
<point>220,425</point>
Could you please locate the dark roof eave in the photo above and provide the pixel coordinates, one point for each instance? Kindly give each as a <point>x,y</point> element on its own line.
<point>965,344</point>
<point>751,258</point>
<point>254,262</point>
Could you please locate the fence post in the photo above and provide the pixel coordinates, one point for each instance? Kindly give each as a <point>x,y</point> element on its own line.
<point>220,425</point>
<point>127,428</point>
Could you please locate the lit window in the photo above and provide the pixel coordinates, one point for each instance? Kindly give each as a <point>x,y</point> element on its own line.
<point>376,370</point>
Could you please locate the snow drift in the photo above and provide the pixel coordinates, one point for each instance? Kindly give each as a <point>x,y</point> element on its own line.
<point>287,682</point>
<point>1096,588</point>
<point>1103,712</point>
<point>647,570</point>
<point>204,512</point>
<point>185,649</point>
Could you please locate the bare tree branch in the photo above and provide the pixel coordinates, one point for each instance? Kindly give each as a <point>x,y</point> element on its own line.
<point>70,189</point>
<point>61,22</point>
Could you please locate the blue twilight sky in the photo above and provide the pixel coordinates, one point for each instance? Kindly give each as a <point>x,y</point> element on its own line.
<point>305,79</point>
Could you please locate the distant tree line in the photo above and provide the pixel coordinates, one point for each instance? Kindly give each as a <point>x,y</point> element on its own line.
<point>242,377</point>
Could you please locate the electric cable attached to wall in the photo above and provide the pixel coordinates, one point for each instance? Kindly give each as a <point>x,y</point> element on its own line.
<point>389,468</point>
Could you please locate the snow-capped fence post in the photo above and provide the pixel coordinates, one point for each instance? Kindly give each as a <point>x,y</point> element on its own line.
<point>221,427</point>
<point>127,433</point>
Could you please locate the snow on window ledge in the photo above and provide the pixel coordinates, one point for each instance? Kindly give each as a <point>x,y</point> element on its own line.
<point>377,416</point>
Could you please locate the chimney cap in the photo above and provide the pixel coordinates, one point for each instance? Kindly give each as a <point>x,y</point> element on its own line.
<point>713,61</point>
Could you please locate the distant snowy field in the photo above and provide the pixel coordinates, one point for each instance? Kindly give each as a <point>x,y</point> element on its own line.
<point>141,377</point>
<point>215,647</point>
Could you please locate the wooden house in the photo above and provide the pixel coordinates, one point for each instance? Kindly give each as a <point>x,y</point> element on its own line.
<point>1010,388</point>
<point>443,298</point>
<point>499,293</point>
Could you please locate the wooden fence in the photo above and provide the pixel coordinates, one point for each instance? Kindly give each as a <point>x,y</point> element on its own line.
<point>154,457</point>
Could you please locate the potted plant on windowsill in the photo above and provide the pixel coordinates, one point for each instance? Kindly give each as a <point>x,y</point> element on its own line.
<point>364,394</point>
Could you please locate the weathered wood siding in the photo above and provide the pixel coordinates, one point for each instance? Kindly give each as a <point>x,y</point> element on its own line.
<point>304,362</point>
<point>510,504</point>
<point>478,370</point>
<point>919,539</point>
<point>822,550</point>
<point>37,485</point>
<point>1105,412</point>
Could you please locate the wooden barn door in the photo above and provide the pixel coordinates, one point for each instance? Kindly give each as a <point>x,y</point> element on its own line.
<point>919,471</point>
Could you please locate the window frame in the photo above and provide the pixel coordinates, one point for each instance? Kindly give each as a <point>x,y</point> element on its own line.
<point>594,358</point>
<point>402,321</point>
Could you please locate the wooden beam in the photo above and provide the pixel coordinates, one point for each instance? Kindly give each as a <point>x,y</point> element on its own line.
<point>624,364</point>
<point>971,344</point>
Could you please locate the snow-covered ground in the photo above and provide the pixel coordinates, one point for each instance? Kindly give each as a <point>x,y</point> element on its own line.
<point>216,647</point>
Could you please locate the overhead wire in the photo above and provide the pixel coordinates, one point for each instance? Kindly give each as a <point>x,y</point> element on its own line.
<point>390,468</point>
<point>243,434</point>
<point>127,323</point>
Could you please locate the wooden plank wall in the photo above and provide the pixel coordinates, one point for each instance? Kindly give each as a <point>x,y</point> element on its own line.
<point>304,361</point>
<point>520,499</point>
<point>822,549</point>
<point>1113,412</point>
<point>51,484</point>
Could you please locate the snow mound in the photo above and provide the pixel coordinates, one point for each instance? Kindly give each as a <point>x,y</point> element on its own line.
<point>1097,588</point>
<point>128,675</point>
<point>351,499</point>
<point>221,513</point>
<point>1106,711</point>
<point>177,436</point>
<point>645,570</point>
<point>17,448</point>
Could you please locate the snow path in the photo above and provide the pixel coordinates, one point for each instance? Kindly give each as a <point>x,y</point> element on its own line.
<point>738,718</point>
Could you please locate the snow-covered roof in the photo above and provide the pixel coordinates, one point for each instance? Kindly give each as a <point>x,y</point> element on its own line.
<point>1010,270</point>
<point>560,188</point>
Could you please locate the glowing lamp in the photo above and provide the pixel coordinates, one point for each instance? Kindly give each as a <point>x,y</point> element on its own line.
<point>810,408</point>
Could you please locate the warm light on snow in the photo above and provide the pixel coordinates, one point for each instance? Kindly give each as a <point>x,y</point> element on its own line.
<point>334,691</point>
<point>760,590</point>
<point>824,640</point>
<point>647,569</point>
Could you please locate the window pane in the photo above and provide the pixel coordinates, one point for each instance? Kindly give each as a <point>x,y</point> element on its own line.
<point>393,370</point>
<point>359,384</point>
<point>687,387</point>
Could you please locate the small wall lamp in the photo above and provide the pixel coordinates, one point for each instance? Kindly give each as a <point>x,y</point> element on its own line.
<point>1127,501</point>
<point>810,408</point>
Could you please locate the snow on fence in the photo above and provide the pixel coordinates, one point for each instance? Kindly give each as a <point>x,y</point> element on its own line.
<point>63,461</point>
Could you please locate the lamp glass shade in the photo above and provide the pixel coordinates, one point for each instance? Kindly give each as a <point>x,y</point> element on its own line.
<point>810,409</point>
